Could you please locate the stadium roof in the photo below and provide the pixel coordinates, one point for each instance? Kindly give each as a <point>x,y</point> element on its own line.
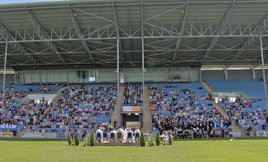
<point>175,33</point>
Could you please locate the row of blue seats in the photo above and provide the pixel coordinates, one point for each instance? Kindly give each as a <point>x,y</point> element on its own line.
<point>253,88</point>
<point>36,87</point>
<point>177,86</point>
<point>6,85</point>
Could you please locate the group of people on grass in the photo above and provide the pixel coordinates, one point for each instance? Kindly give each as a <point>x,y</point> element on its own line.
<point>121,135</point>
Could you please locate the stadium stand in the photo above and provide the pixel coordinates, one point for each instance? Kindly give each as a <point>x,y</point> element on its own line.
<point>81,107</point>
<point>17,112</point>
<point>249,113</point>
<point>185,109</point>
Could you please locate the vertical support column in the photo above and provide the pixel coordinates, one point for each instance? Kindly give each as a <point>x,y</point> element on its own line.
<point>15,77</point>
<point>67,76</point>
<point>189,75</point>
<point>118,80</point>
<point>40,77</point>
<point>263,73</point>
<point>200,75</point>
<point>253,73</point>
<point>23,75</point>
<point>142,53</point>
<point>4,78</point>
<point>225,74</point>
<point>95,75</point>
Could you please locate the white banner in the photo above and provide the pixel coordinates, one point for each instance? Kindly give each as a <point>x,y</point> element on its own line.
<point>32,135</point>
<point>262,133</point>
<point>38,135</point>
<point>127,108</point>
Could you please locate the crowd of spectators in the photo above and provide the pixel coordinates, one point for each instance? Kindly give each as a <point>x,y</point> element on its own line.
<point>81,107</point>
<point>17,113</point>
<point>183,109</point>
<point>45,88</point>
<point>251,118</point>
<point>133,95</point>
<point>187,113</point>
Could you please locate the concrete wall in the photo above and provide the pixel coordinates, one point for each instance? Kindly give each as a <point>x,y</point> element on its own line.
<point>9,78</point>
<point>129,75</point>
<point>258,74</point>
<point>232,74</point>
<point>240,74</point>
<point>212,75</point>
<point>107,75</point>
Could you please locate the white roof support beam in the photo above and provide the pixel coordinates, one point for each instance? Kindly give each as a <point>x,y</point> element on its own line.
<point>259,30</point>
<point>184,19</point>
<point>118,33</point>
<point>17,46</point>
<point>219,32</point>
<point>79,34</point>
<point>43,34</point>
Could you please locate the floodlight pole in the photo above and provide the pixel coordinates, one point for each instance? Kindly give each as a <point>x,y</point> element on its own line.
<point>5,68</point>
<point>142,53</point>
<point>263,74</point>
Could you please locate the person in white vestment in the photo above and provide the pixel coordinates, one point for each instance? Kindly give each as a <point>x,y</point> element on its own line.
<point>137,135</point>
<point>99,135</point>
<point>113,137</point>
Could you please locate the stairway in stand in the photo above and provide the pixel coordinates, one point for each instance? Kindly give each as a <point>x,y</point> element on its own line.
<point>56,99</point>
<point>116,108</point>
<point>147,118</point>
<point>8,87</point>
<point>209,89</point>
<point>222,111</point>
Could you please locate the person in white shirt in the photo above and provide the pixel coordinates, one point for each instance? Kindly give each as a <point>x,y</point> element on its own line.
<point>120,135</point>
<point>113,137</point>
<point>125,136</point>
<point>99,135</point>
<point>130,136</point>
<point>137,135</point>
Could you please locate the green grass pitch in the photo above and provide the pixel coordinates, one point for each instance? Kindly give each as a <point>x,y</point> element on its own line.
<point>203,150</point>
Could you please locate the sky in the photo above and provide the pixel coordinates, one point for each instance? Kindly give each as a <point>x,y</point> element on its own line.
<point>23,1</point>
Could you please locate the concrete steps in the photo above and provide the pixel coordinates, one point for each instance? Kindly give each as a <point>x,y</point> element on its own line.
<point>55,100</point>
<point>6,88</point>
<point>116,108</point>
<point>24,130</point>
<point>224,114</point>
<point>209,89</point>
<point>222,111</point>
<point>147,118</point>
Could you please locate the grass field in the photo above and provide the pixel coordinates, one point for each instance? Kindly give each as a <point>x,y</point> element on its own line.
<point>205,150</point>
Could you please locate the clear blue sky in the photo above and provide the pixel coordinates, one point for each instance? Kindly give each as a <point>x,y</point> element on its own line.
<point>22,1</point>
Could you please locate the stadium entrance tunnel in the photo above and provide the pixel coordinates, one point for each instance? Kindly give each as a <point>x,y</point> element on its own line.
<point>132,120</point>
